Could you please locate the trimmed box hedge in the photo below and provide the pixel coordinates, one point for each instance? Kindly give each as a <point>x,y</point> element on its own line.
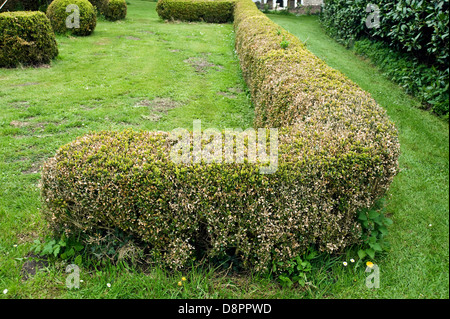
<point>27,38</point>
<point>213,11</point>
<point>115,10</point>
<point>57,14</point>
<point>337,155</point>
<point>100,5</point>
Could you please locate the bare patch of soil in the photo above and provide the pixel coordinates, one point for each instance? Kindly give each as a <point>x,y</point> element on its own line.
<point>235,90</point>
<point>32,265</point>
<point>27,237</point>
<point>143,103</point>
<point>34,169</point>
<point>27,84</point>
<point>20,104</point>
<point>227,94</point>
<point>19,124</point>
<point>42,66</point>
<point>104,41</point>
<point>163,104</point>
<point>34,127</point>
<point>200,64</point>
<point>146,31</point>
<point>158,107</point>
<point>128,37</point>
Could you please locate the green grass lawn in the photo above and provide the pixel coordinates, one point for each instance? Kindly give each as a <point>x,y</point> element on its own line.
<point>146,74</point>
<point>140,73</point>
<point>418,265</point>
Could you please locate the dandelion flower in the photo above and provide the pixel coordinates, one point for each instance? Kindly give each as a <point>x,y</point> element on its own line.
<point>352,260</point>
<point>108,285</point>
<point>345,264</point>
<point>183,278</point>
<point>5,291</point>
<point>179,283</point>
<point>369,264</point>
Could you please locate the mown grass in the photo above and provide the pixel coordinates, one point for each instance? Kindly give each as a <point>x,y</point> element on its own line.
<point>112,79</point>
<point>140,73</point>
<point>418,265</point>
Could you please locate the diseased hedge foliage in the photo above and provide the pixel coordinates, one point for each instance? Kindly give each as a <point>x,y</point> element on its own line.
<point>337,154</point>
<point>26,38</point>
<point>115,10</point>
<point>57,14</point>
<point>215,11</point>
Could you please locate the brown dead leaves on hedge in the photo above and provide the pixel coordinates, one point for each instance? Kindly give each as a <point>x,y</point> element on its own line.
<point>337,154</point>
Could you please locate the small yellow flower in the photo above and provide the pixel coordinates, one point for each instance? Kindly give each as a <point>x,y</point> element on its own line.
<point>369,264</point>
<point>180,283</point>
<point>183,278</point>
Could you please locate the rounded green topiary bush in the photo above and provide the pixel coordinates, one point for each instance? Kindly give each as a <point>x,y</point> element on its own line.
<point>57,14</point>
<point>115,10</point>
<point>26,38</point>
<point>100,5</point>
<point>213,11</point>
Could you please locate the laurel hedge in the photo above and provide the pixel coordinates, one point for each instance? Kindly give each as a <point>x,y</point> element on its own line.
<point>26,38</point>
<point>337,154</point>
<point>214,11</point>
<point>410,43</point>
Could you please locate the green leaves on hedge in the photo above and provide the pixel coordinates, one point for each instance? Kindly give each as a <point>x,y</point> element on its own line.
<point>410,46</point>
<point>115,10</point>
<point>218,11</point>
<point>337,154</point>
<point>26,38</point>
<point>57,14</point>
